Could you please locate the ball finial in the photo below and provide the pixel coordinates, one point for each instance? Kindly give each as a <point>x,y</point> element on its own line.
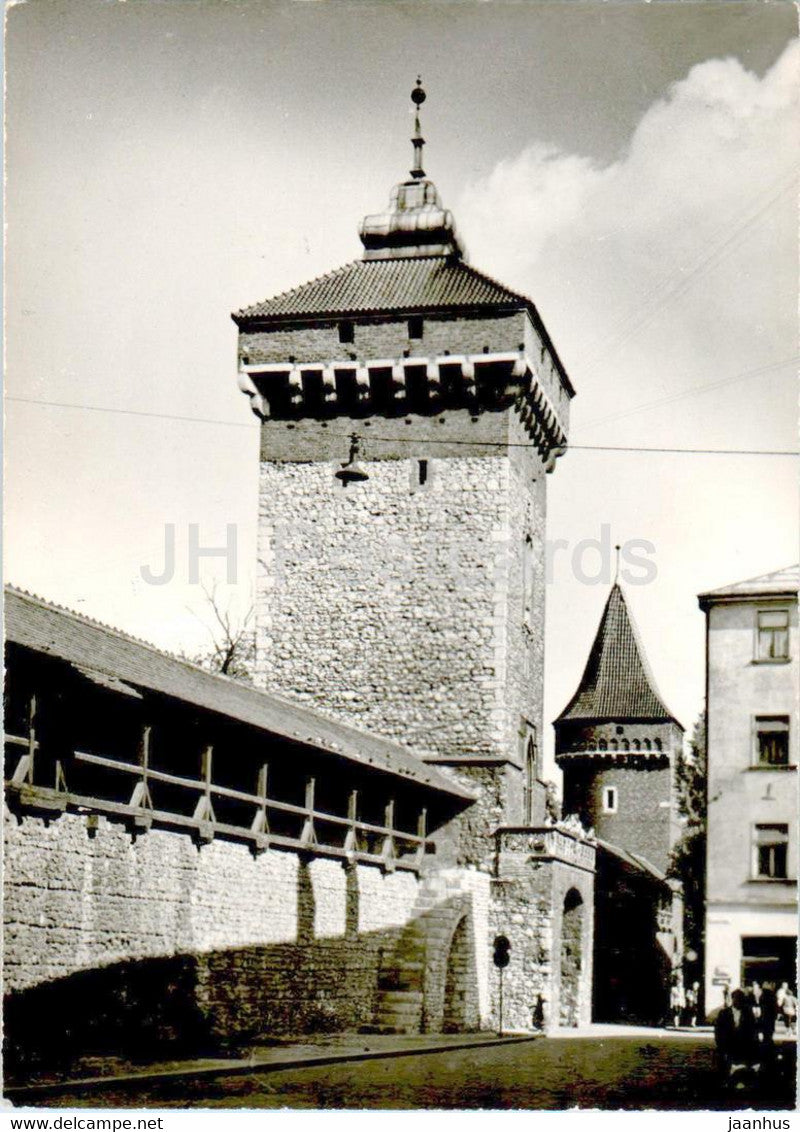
<point>418,95</point>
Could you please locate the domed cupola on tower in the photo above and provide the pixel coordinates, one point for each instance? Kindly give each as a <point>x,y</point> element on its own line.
<point>415,224</point>
<point>616,742</point>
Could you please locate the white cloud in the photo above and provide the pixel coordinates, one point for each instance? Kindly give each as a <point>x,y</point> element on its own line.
<point>703,192</point>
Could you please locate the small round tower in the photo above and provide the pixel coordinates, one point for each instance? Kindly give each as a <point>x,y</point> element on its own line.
<point>617,743</point>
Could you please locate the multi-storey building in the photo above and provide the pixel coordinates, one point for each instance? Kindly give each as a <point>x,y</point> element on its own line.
<point>752,705</point>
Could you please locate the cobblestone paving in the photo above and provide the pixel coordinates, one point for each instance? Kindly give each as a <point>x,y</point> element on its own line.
<point>654,1070</point>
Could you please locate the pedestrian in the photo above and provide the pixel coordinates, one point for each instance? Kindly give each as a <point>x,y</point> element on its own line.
<point>693,1002</point>
<point>766,1023</point>
<point>754,995</point>
<point>735,1037</point>
<point>677,1001</point>
<point>789,1010</point>
<point>780,995</point>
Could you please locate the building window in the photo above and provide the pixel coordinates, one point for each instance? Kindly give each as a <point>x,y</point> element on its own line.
<point>531,760</point>
<point>770,852</point>
<point>773,634</point>
<point>415,327</point>
<point>527,582</point>
<point>422,472</point>
<point>772,740</point>
<point>610,800</point>
<point>346,332</point>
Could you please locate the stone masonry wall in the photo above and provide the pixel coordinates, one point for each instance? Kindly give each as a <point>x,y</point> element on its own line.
<point>399,606</point>
<point>523,648</point>
<point>643,822</point>
<point>247,944</point>
<point>527,906</point>
<point>384,604</point>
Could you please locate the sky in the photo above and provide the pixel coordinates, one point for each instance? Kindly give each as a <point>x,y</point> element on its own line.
<point>630,166</point>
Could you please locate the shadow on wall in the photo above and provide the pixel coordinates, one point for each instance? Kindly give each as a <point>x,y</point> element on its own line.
<point>414,978</point>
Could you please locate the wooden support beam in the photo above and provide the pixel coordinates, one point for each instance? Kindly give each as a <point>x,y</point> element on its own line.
<point>204,810</point>
<point>422,833</point>
<point>388,854</point>
<point>140,798</point>
<point>308,837</point>
<point>260,824</point>
<point>24,770</point>
<point>60,777</point>
<point>351,837</point>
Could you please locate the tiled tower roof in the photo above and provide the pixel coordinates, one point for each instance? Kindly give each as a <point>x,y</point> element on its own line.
<point>389,285</point>
<point>616,683</point>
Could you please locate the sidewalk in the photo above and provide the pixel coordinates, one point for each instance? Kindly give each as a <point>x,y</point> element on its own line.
<point>96,1074</point>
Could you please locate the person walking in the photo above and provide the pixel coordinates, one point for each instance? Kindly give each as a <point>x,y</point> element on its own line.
<point>677,1001</point>
<point>693,1003</point>
<point>789,1010</point>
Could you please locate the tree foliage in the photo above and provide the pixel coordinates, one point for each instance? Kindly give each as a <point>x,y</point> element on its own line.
<point>689,855</point>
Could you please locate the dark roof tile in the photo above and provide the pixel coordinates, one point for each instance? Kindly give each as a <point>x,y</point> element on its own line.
<point>616,683</point>
<point>388,285</point>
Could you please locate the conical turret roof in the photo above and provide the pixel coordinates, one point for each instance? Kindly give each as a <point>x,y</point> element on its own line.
<point>616,683</point>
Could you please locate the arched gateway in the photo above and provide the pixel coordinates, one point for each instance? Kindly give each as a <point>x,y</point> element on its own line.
<point>571,959</point>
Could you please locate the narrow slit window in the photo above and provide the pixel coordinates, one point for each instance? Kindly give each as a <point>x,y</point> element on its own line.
<point>415,327</point>
<point>422,472</point>
<point>346,332</point>
<point>610,800</point>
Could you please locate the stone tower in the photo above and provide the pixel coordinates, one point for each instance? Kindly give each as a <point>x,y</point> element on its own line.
<point>410,409</point>
<point>617,743</point>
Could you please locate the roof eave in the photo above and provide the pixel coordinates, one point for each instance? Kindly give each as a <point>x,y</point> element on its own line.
<point>619,718</point>
<point>715,598</point>
<point>301,321</point>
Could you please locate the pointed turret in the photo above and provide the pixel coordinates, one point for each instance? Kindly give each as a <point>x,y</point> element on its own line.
<point>617,683</point>
<point>616,741</point>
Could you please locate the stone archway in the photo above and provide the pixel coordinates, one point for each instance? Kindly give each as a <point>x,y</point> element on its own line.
<point>457,981</point>
<point>571,959</point>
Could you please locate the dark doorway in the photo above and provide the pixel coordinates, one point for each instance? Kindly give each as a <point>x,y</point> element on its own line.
<point>571,959</point>
<point>457,980</point>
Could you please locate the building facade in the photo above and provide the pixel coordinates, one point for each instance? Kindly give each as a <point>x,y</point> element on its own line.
<point>752,706</point>
<point>411,411</point>
<point>617,746</point>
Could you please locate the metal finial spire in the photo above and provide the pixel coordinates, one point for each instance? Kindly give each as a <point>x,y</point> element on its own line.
<point>616,571</point>
<point>418,96</point>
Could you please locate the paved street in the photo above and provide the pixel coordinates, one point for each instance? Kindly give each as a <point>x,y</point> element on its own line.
<point>648,1069</point>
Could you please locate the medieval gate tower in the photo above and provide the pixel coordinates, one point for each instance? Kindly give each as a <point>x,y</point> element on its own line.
<point>411,409</point>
